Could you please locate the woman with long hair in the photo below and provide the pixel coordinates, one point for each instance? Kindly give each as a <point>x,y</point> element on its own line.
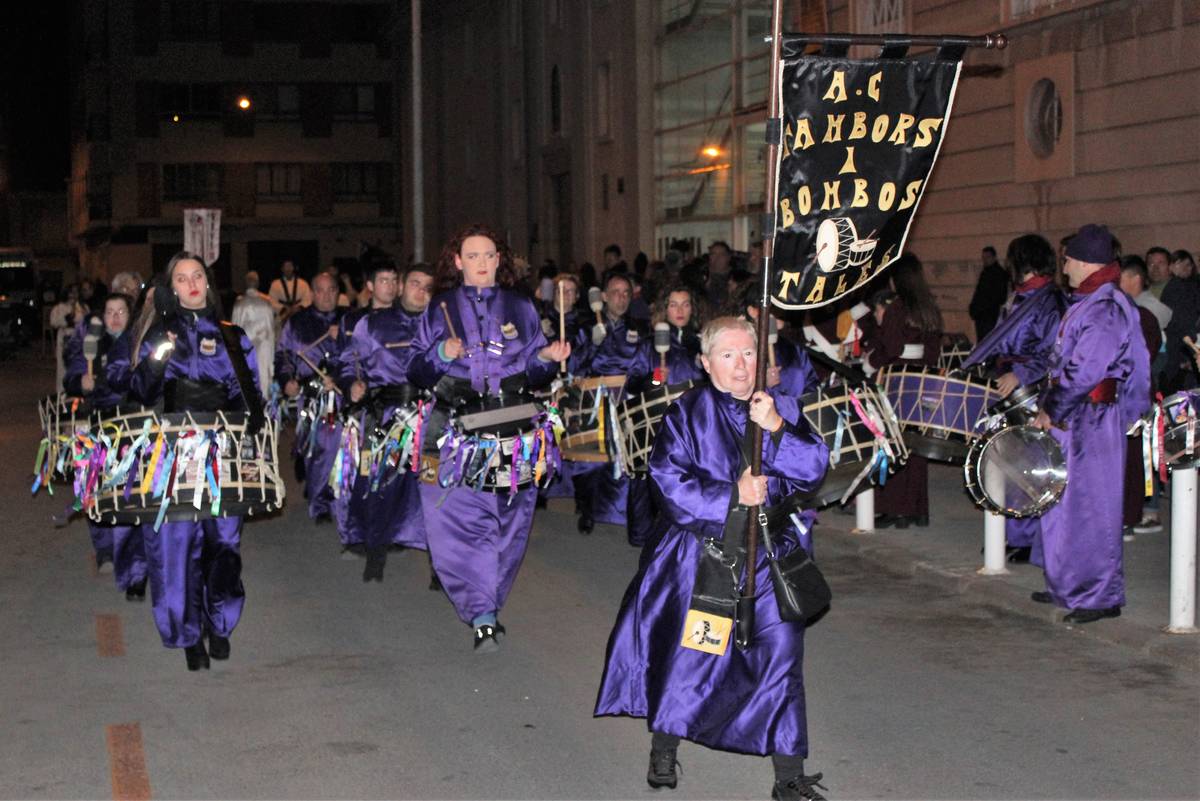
<point>481,343</point>
<point>195,566</point>
<point>909,332</point>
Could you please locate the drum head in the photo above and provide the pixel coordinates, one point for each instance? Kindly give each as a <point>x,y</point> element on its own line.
<point>1021,471</point>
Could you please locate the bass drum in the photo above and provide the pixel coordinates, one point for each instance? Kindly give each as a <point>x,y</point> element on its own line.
<point>1016,470</point>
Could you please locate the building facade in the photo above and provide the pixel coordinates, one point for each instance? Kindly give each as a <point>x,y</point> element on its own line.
<point>282,114</point>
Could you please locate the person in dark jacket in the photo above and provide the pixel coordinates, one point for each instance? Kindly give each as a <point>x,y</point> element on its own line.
<point>1182,296</point>
<point>990,294</point>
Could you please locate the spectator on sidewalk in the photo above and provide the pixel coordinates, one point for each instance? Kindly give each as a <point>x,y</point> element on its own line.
<point>1182,296</point>
<point>1158,263</point>
<point>990,294</point>
<point>1134,280</point>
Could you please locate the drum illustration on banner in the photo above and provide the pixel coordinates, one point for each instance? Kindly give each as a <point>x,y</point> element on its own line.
<point>838,245</point>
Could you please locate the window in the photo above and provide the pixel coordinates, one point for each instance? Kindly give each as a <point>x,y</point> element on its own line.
<point>354,101</point>
<point>603,101</point>
<point>278,181</point>
<point>191,21</point>
<point>278,101</point>
<point>189,100</point>
<point>880,16</point>
<point>356,181</point>
<point>192,181</point>
<point>555,101</point>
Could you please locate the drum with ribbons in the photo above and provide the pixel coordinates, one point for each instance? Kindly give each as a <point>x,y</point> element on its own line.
<point>941,415</point>
<point>863,436</point>
<point>381,436</point>
<point>1168,433</point>
<point>490,447</point>
<point>1015,470</point>
<point>641,416</point>
<point>62,417</point>
<point>590,409</point>
<point>139,466</point>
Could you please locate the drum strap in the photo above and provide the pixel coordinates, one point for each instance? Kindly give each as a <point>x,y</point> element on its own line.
<point>241,371</point>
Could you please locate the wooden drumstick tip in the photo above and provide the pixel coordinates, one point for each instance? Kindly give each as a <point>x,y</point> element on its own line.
<point>449,324</point>
<point>1191,343</point>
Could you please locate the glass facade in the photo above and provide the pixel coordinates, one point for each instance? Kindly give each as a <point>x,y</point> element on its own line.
<point>710,100</point>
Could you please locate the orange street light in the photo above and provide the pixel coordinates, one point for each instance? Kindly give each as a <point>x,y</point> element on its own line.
<point>243,103</point>
<point>711,151</point>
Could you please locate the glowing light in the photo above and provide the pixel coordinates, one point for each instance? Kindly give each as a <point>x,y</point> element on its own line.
<point>710,168</point>
<point>174,118</point>
<point>243,103</point>
<point>711,151</point>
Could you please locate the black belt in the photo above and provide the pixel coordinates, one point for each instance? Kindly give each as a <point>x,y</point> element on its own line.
<point>190,395</point>
<point>457,392</point>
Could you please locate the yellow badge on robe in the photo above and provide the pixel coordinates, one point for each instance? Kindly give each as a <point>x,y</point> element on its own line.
<point>703,631</point>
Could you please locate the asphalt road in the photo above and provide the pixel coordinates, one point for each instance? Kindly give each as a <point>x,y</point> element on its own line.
<point>338,689</point>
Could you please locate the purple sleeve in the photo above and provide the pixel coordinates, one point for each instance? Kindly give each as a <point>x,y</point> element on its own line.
<point>1093,350</point>
<point>285,350</point>
<point>427,365</point>
<point>690,498</point>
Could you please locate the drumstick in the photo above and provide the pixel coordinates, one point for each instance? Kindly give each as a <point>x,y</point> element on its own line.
<point>318,370</point>
<point>1191,344</point>
<point>562,324</point>
<point>449,324</point>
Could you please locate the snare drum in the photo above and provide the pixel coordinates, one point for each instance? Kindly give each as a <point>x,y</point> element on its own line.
<point>1019,408</point>
<point>849,430</point>
<point>940,415</point>
<point>1016,471</point>
<point>640,419</point>
<point>589,406</point>
<point>184,466</point>
<point>1179,411</point>
<point>495,449</point>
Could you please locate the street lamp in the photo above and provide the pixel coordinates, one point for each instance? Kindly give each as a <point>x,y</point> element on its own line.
<point>243,103</point>
<point>712,151</point>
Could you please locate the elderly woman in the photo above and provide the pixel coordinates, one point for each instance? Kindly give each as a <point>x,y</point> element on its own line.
<point>750,701</point>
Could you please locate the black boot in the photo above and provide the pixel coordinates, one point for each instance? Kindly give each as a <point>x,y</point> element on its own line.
<point>218,646</point>
<point>373,570</point>
<point>799,788</point>
<point>196,656</point>
<point>585,524</point>
<point>136,592</point>
<point>662,769</point>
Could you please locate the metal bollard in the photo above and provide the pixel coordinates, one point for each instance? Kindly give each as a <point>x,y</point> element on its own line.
<point>864,510</point>
<point>1183,551</point>
<point>993,529</point>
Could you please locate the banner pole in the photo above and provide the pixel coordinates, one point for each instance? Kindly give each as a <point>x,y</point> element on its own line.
<point>745,606</point>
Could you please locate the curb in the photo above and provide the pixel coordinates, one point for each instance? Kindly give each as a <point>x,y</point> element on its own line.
<point>1181,651</point>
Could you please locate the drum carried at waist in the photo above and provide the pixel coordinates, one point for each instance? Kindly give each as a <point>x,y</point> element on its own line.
<point>590,410</point>
<point>492,448</point>
<point>640,417</point>
<point>1170,427</point>
<point>1015,470</point>
<point>940,414</point>
<point>151,467</point>
<point>61,417</point>
<point>861,431</point>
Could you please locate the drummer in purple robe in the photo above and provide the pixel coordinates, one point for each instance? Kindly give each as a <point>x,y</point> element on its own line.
<point>104,386</point>
<point>749,701</point>
<point>682,311</point>
<point>908,331</point>
<point>1020,346</point>
<point>309,342</point>
<point>601,490</point>
<point>1099,386</point>
<point>195,567</point>
<point>383,509</point>
<point>496,349</point>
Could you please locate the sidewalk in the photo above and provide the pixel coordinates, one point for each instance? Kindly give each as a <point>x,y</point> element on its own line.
<point>947,553</point>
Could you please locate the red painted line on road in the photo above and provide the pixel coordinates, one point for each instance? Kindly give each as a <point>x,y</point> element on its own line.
<point>127,762</point>
<point>110,637</point>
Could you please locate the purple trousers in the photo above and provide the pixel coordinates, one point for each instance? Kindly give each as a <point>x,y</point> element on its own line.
<point>477,541</point>
<point>124,547</point>
<point>1020,532</point>
<point>102,541</point>
<point>317,466</point>
<point>389,516</point>
<point>195,578</point>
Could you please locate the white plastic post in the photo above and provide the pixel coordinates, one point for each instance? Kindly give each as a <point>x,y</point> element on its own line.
<point>993,528</point>
<point>864,510</point>
<point>1183,551</point>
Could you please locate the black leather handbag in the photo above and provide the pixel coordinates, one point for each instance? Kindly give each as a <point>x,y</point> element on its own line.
<point>801,590</point>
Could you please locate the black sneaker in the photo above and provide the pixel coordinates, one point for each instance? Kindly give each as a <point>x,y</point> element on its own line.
<point>1018,555</point>
<point>585,524</point>
<point>662,769</point>
<point>1080,616</point>
<point>218,646</point>
<point>485,639</point>
<point>1041,597</point>
<point>196,656</point>
<point>136,592</point>
<point>373,570</point>
<point>801,788</point>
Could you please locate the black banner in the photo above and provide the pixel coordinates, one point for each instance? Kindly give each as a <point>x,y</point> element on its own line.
<point>859,141</point>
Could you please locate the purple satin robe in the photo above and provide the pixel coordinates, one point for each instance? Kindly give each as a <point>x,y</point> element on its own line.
<point>477,539</point>
<point>796,374</point>
<point>1081,545</point>
<point>1024,339</point>
<point>379,352</point>
<point>747,701</point>
<point>194,568</point>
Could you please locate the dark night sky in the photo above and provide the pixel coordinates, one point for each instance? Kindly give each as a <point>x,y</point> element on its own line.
<point>34,80</point>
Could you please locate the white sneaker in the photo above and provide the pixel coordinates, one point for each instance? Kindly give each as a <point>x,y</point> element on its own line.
<point>1148,525</point>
